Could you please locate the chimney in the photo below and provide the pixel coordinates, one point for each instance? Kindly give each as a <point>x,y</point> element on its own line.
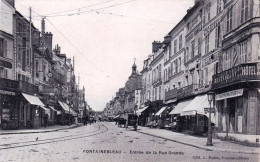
<point>156,46</point>
<point>48,40</point>
<point>36,38</point>
<point>167,39</point>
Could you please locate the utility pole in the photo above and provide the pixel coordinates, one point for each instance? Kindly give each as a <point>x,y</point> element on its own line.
<point>30,44</point>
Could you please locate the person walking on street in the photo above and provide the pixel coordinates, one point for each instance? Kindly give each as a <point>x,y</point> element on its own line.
<point>45,120</point>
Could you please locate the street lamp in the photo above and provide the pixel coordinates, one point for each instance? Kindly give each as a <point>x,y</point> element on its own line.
<point>209,139</point>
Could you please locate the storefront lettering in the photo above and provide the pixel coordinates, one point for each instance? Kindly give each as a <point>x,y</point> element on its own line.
<point>230,94</point>
<point>7,93</point>
<point>245,71</point>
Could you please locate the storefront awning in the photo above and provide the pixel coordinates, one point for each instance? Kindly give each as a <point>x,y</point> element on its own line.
<point>52,108</point>
<point>139,111</point>
<point>179,107</point>
<point>33,100</point>
<point>160,111</point>
<point>65,107</point>
<point>197,105</point>
<point>45,108</point>
<point>72,112</point>
<point>171,101</point>
<point>117,116</point>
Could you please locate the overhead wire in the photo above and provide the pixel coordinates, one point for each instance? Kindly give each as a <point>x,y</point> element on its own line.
<point>79,8</point>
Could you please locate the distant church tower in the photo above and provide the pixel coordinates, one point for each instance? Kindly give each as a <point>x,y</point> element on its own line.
<point>134,68</point>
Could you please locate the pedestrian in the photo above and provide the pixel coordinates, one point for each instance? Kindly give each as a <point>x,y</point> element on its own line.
<point>45,120</point>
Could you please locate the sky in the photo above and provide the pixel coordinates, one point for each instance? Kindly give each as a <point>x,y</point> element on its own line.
<point>105,36</point>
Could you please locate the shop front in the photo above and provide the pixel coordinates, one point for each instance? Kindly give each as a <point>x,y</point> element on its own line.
<point>237,99</point>
<point>8,102</point>
<point>240,111</point>
<point>142,115</point>
<point>31,111</point>
<point>177,121</point>
<point>195,117</point>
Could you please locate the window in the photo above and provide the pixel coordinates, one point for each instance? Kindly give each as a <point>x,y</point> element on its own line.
<point>244,11</point>
<point>218,6</point>
<point>243,52</point>
<point>37,68</point>
<point>206,76</point>
<point>206,44</point>
<point>160,89</point>
<point>227,60</point>
<point>175,46</point>
<point>208,11</point>
<point>187,80</point>
<point>179,84</point>
<point>180,41</point>
<point>199,46</point>
<point>186,55</point>
<point>201,78</point>
<point>217,37</point>
<point>19,53</point>
<point>179,64</point>
<point>172,73</point>
<point>192,49</point>
<point>170,49</point>
<point>3,47</point>
<point>176,66</point>
<point>3,72</point>
<point>165,75</point>
<point>159,77</point>
<point>27,57</point>
<point>169,73</point>
<point>229,19</point>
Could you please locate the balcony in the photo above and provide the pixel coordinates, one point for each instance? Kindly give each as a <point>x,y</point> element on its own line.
<point>8,85</point>
<point>180,93</point>
<point>237,74</point>
<point>28,87</point>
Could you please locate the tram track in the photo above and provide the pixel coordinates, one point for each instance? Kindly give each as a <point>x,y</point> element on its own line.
<point>52,140</point>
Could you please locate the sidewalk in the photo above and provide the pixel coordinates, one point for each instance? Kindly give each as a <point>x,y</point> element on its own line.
<point>199,142</point>
<point>39,130</point>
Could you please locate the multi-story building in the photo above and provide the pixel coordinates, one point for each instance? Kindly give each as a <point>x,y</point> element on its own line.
<point>8,86</point>
<point>236,83</point>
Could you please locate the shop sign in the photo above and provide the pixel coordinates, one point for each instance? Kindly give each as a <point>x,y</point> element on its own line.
<point>230,94</point>
<point>7,93</point>
<point>250,71</point>
<point>213,25</point>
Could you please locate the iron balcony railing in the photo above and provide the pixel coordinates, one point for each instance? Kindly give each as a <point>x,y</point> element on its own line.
<point>180,93</point>
<point>239,73</point>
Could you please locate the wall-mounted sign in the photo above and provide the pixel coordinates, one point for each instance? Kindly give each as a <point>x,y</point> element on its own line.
<point>250,71</point>
<point>7,93</point>
<point>229,94</point>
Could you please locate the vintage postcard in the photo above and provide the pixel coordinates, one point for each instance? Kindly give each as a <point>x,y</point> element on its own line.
<point>129,80</point>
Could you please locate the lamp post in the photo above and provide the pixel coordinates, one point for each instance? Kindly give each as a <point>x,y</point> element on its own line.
<point>209,139</point>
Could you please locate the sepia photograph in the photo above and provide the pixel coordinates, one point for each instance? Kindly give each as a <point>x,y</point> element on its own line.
<point>129,80</point>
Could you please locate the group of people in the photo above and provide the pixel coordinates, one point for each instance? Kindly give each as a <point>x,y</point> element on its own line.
<point>89,120</point>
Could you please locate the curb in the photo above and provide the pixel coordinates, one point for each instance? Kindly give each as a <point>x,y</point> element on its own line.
<point>202,147</point>
<point>43,131</point>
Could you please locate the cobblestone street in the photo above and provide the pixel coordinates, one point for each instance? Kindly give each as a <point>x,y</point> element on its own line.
<point>104,142</point>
